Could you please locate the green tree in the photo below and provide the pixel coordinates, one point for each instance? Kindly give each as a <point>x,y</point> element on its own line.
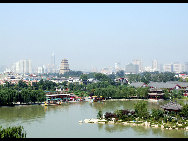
<point>99,115</point>
<point>141,110</point>
<point>184,111</point>
<point>157,114</point>
<point>120,73</point>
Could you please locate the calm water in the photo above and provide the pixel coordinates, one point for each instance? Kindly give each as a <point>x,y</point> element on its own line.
<point>62,121</point>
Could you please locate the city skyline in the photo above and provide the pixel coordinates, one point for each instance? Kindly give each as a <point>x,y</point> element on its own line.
<point>93,35</point>
<point>136,66</point>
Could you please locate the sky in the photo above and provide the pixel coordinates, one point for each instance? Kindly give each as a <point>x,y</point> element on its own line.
<point>93,35</point>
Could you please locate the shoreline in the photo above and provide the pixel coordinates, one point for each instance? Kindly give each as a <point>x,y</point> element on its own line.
<point>151,100</point>
<point>136,123</point>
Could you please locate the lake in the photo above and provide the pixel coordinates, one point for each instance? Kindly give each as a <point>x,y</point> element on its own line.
<point>61,121</point>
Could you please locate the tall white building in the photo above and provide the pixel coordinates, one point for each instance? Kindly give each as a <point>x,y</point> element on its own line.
<point>22,66</point>
<point>186,66</point>
<point>52,64</point>
<point>139,63</point>
<point>117,67</point>
<point>40,70</point>
<point>155,65</point>
<point>167,67</point>
<point>178,68</point>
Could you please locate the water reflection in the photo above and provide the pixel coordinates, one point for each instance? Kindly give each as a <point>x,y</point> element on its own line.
<point>111,106</point>
<point>64,119</point>
<point>143,131</point>
<point>24,112</point>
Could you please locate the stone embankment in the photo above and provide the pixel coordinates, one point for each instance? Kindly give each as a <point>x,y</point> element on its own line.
<point>136,123</point>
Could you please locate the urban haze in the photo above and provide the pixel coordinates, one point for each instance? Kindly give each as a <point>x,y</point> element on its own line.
<point>94,37</point>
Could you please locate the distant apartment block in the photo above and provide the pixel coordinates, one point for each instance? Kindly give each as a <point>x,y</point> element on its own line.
<point>22,67</point>
<point>178,68</point>
<point>139,63</point>
<point>186,67</point>
<point>40,70</point>
<point>106,71</point>
<point>64,67</point>
<point>117,67</point>
<point>167,67</point>
<point>155,66</point>
<point>132,68</point>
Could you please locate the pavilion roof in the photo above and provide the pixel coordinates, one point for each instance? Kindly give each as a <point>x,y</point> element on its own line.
<point>137,84</point>
<point>172,106</point>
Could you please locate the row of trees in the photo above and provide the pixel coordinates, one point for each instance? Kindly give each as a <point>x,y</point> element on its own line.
<point>41,85</point>
<point>146,77</point>
<point>9,96</point>
<point>121,92</point>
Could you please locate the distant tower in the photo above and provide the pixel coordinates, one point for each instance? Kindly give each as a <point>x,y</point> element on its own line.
<point>52,65</point>
<point>117,67</point>
<point>64,67</point>
<point>154,65</point>
<point>53,59</point>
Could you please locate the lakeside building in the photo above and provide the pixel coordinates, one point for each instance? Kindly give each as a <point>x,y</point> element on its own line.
<point>64,67</point>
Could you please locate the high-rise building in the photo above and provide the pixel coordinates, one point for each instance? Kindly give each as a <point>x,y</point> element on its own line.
<point>155,65</point>
<point>168,68</point>
<point>40,70</point>
<point>53,59</point>
<point>178,68</point>
<point>52,66</point>
<point>106,71</point>
<point>64,67</point>
<point>117,67</point>
<point>22,66</point>
<point>132,68</point>
<point>139,63</point>
<point>186,66</point>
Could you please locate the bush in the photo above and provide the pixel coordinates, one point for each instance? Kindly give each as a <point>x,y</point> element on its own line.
<point>184,111</point>
<point>12,132</point>
<point>99,115</point>
<point>157,114</point>
<point>109,115</point>
<point>141,110</point>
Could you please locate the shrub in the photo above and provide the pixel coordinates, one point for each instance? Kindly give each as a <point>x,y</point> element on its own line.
<point>109,115</point>
<point>184,111</point>
<point>141,110</point>
<point>99,115</point>
<point>157,114</point>
<point>12,132</point>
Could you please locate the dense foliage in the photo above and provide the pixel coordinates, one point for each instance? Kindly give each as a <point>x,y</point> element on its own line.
<point>146,77</point>
<point>12,132</point>
<point>141,112</point>
<point>103,86</point>
<point>21,92</point>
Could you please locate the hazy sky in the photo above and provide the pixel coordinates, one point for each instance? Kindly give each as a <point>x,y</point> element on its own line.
<point>93,35</point>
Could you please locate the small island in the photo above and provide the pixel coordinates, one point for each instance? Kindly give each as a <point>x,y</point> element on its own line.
<point>173,116</point>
